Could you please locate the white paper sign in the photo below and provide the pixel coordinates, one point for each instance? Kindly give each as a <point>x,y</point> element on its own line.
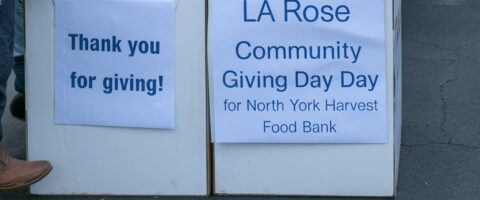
<point>114,63</point>
<point>298,71</point>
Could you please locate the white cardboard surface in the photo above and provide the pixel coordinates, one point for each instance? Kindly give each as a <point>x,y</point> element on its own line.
<point>313,169</point>
<point>114,67</point>
<point>119,161</point>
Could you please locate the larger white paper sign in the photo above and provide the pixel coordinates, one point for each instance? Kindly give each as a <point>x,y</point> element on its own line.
<point>298,71</point>
<point>114,63</point>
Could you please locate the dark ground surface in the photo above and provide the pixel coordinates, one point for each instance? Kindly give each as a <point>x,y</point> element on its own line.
<point>440,156</point>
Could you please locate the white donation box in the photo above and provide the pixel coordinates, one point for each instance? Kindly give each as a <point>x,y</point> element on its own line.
<point>305,96</point>
<point>116,96</point>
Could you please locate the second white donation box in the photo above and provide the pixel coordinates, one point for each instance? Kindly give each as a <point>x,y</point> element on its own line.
<point>302,96</point>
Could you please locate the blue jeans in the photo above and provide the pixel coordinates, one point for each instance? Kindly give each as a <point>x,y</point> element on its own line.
<point>19,46</point>
<point>7,20</point>
<point>19,70</point>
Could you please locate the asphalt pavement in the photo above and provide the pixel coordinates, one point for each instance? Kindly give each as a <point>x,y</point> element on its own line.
<point>440,155</point>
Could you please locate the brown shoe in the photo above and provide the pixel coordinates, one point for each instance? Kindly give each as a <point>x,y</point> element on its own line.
<point>16,173</point>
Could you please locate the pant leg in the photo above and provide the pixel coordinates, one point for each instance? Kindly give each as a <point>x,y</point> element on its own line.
<point>19,46</point>
<point>19,69</point>
<point>6,49</point>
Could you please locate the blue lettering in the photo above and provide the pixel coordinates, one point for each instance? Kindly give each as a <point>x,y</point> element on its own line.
<point>238,50</point>
<point>267,12</point>
<point>294,10</point>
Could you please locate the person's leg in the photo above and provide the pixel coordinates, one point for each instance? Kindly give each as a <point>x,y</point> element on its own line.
<point>13,173</point>
<point>17,107</point>
<point>19,69</point>
<point>19,46</point>
<point>6,49</point>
